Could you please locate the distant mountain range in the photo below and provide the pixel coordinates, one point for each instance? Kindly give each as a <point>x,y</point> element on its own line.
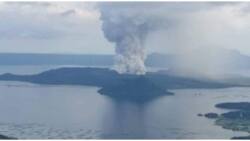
<point>154,60</point>
<point>238,60</point>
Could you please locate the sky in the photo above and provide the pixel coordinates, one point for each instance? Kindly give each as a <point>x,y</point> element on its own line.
<point>61,27</point>
<point>76,27</point>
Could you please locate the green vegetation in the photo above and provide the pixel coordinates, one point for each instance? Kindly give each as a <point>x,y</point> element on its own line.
<point>234,124</point>
<point>236,120</point>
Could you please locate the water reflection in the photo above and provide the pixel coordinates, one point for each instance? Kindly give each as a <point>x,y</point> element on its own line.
<point>127,119</point>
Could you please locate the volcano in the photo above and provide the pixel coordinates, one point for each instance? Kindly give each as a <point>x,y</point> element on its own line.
<point>136,88</point>
<point>115,85</point>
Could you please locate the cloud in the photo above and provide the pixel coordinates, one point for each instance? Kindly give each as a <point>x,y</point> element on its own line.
<point>43,27</point>
<point>43,20</point>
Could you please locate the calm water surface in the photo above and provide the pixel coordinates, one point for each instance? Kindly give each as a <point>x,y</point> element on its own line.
<point>31,111</point>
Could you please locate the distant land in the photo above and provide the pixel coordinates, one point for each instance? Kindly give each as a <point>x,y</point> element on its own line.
<point>153,60</point>
<point>2,137</point>
<point>124,86</point>
<point>238,60</point>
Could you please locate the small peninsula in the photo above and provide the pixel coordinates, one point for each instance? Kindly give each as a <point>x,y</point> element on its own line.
<point>237,119</point>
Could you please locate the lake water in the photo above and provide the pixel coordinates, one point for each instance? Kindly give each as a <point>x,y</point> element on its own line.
<point>31,111</point>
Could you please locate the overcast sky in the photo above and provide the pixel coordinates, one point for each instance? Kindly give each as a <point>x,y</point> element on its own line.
<point>75,27</point>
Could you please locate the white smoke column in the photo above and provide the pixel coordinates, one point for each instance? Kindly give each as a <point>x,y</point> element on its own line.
<point>194,32</point>
<point>127,25</point>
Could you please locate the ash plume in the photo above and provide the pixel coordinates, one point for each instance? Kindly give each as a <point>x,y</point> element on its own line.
<point>127,25</point>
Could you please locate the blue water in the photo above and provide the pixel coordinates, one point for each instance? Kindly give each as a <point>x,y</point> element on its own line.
<point>31,111</point>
